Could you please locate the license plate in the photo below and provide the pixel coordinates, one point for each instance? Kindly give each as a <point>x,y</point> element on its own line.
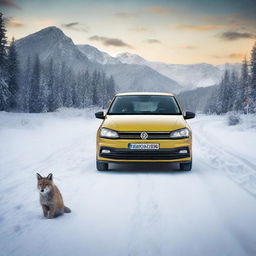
<point>143,146</point>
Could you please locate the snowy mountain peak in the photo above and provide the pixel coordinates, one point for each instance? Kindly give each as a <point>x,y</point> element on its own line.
<point>130,58</point>
<point>50,44</point>
<point>96,55</point>
<point>52,34</point>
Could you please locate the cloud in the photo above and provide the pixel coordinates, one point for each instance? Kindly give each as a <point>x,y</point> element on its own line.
<point>9,3</point>
<point>69,25</point>
<point>237,55</point>
<point>188,47</point>
<point>14,22</point>
<point>198,27</point>
<point>152,41</point>
<point>75,26</point>
<point>110,41</point>
<point>231,19</point>
<point>141,29</point>
<point>158,9</point>
<point>125,15</point>
<point>234,35</point>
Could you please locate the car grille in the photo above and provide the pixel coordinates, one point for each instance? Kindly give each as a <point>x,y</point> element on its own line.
<point>151,135</point>
<point>161,154</point>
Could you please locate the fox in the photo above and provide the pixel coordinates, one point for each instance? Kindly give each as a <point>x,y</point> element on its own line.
<point>50,197</point>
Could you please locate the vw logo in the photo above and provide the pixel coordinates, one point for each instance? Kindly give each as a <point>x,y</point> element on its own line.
<point>144,135</point>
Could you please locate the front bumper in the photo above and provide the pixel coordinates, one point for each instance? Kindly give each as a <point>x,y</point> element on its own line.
<point>169,151</point>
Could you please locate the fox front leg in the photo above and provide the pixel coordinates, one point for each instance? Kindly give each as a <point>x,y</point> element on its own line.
<point>51,212</point>
<point>45,210</point>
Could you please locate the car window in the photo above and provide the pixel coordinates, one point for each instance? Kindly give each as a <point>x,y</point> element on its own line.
<point>144,104</point>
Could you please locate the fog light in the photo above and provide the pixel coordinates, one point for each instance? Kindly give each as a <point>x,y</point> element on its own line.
<point>183,151</point>
<point>105,151</point>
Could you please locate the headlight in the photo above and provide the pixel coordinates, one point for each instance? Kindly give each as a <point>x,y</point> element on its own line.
<point>180,134</point>
<point>107,133</point>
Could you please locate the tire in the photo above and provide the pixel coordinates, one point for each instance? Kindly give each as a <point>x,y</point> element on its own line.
<point>186,166</point>
<point>101,166</point>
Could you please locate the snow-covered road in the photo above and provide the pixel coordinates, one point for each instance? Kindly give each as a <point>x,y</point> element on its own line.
<point>132,210</point>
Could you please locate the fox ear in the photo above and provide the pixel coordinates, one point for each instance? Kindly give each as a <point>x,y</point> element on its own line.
<point>39,177</point>
<point>49,177</point>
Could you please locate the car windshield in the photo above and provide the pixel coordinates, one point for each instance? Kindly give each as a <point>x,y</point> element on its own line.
<point>144,104</point>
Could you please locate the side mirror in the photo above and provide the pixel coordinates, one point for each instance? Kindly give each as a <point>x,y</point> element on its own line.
<point>100,115</point>
<point>189,115</point>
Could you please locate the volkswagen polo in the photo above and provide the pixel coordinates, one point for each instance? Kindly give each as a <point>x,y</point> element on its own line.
<point>144,127</point>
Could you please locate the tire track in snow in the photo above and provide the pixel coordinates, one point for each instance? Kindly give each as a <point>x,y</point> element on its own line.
<point>237,168</point>
<point>146,216</point>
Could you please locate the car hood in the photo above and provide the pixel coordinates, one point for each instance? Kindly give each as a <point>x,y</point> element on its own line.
<point>144,122</point>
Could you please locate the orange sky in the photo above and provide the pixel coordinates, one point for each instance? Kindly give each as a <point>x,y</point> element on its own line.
<point>175,31</point>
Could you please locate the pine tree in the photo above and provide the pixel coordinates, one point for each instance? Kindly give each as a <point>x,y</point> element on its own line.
<point>86,90</point>
<point>243,90</point>
<point>26,87</point>
<point>245,79</point>
<point>253,74</point>
<point>43,96</point>
<point>34,104</point>
<point>234,91</point>
<point>3,42</point>
<point>111,89</point>
<point>66,84</point>
<point>12,75</point>
<point>4,91</point>
<point>4,95</point>
<point>224,91</point>
<point>95,85</point>
<point>57,91</point>
<point>76,92</point>
<point>50,85</point>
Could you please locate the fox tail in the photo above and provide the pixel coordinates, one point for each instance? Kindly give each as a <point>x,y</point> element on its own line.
<point>66,209</point>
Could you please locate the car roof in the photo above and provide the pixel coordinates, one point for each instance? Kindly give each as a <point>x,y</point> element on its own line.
<point>144,93</point>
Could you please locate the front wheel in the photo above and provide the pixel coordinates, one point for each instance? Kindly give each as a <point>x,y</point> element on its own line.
<point>101,166</point>
<point>186,166</point>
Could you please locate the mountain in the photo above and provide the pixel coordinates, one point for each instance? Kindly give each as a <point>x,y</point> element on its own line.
<point>130,58</point>
<point>131,77</point>
<point>189,76</point>
<point>95,55</point>
<point>143,78</point>
<point>52,44</point>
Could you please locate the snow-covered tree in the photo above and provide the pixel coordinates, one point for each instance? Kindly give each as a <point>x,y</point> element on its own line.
<point>86,89</point>
<point>3,42</point>
<point>24,77</point>
<point>4,90</point>
<point>95,87</point>
<point>224,91</point>
<point>235,93</point>
<point>43,96</point>
<point>4,95</point>
<point>245,79</point>
<point>12,74</point>
<point>34,104</point>
<point>111,89</point>
<point>49,73</point>
<point>253,73</point>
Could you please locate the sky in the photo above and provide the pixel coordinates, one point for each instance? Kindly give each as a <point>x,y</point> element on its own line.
<point>171,31</point>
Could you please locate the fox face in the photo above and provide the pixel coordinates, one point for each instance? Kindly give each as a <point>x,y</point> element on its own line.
<point>44,184</point>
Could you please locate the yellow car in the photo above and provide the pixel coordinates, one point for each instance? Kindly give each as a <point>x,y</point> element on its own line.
<point>144,127</point>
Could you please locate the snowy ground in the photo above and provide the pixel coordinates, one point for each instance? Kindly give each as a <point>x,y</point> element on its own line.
<point>135,210</point>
